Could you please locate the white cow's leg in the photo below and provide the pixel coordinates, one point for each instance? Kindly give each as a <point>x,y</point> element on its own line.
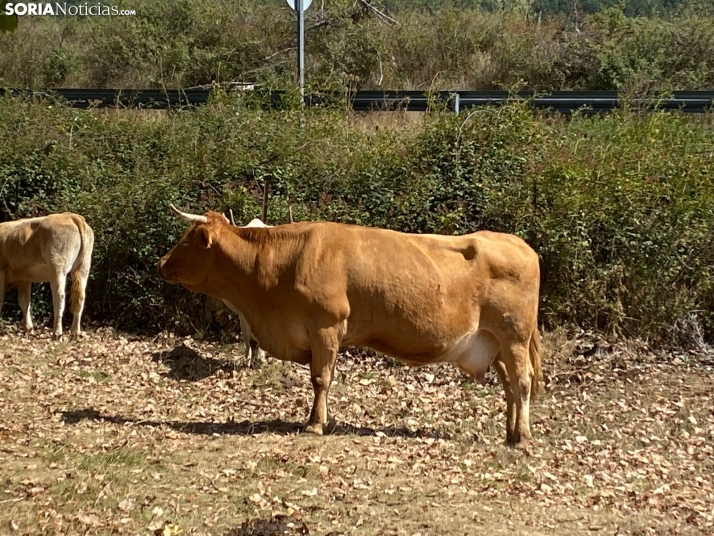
<point>500,367</point>
<point>245,331</point>
<point>520,374</point>
<point>257,354</point>
<point>77,297</point>
<point>2,290</point>
<point>24,294</point>
<point>58,285</point>
<point>253,353</point>
<point>325,344</point>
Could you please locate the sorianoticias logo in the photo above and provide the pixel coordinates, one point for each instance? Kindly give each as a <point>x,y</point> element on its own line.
<point>64,9</point>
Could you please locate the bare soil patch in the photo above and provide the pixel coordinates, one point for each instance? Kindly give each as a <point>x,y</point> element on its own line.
<point>128,435</point>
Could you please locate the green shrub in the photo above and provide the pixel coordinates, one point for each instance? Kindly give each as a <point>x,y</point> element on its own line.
<point>182,43</point>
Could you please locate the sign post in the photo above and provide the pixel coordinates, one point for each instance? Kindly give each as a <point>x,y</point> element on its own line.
<point>300,6</point>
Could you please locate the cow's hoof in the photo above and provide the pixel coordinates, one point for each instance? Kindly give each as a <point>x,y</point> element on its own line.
<point>518,442</point>
<point>316,429</point>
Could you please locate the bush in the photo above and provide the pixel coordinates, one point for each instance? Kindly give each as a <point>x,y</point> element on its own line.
<point>619,207</point>
<point>181,43</point>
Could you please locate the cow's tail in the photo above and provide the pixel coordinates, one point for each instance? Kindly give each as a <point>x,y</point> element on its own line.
<point>80,271</point>
<point>534,351</point>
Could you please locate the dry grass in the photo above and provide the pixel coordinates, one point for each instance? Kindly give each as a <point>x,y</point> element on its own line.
<point>401,121</point>
<point>118,434</point>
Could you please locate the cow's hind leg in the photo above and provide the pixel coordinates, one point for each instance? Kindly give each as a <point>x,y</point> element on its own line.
<point>325,344</point>
<point>24,294</point>
<point>500,367</point>
<point>520,374</point>
<point>58,284</point>
<point>77,298</point>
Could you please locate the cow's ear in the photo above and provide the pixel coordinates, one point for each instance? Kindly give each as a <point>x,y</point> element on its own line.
<point>205,237</point>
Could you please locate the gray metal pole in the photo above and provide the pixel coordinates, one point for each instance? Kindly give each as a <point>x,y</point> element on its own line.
<point>301,46</point>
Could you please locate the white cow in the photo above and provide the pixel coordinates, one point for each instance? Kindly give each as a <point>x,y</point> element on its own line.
<point>45,249</point>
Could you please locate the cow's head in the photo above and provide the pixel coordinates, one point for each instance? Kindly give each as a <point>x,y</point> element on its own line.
<point>190,261</point>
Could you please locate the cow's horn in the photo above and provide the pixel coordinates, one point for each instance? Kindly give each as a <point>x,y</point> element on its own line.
<point>187,217</point>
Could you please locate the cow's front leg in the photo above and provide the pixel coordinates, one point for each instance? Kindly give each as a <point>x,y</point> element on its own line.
<point>24,294</point>
<point>325,344</point>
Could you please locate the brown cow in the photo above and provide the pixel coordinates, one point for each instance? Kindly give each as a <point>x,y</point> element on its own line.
<point>309,288</point>
<point>47,249</point>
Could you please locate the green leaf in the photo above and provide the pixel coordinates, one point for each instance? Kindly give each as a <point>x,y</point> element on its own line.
<point>7,22</point>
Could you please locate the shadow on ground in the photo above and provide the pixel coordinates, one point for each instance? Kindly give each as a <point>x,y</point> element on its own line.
<point>247,428</point>
<point>278,525</point>
<point>187,364</point>
<point>275,526</point>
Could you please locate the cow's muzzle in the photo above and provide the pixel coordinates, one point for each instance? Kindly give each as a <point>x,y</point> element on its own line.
<point>162,272</point>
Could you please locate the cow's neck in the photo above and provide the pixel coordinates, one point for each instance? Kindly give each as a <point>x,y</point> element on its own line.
<point>248,270</point>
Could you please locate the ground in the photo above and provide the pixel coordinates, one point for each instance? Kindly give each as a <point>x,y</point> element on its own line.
<point>129,435</point>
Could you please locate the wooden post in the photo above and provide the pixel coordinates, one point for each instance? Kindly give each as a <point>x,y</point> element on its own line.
<point>265,199</point>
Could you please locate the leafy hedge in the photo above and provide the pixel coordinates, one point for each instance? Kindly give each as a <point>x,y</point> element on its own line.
<point>620,207</point>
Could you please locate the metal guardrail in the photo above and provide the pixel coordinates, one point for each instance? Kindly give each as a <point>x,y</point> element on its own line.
<point>559,101</point>
<point>364,101</point>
